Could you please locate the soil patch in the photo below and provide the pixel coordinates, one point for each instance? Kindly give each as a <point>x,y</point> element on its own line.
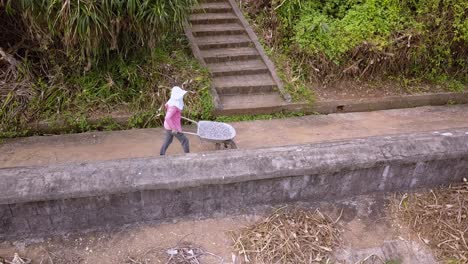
<point>144,243</point>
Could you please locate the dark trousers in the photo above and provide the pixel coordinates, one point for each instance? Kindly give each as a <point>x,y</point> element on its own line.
<point>168,137</point>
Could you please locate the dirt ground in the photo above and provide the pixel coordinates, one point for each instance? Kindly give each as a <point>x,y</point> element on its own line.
<point>141,242</point>
<point>366,223</point>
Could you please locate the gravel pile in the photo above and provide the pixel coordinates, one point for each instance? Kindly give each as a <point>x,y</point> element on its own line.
<point>215,130</point>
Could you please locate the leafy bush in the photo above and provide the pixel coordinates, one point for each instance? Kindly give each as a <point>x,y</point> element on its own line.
<point>425,39</point>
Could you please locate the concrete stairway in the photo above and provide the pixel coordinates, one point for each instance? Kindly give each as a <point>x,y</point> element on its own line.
<point>244,79</point>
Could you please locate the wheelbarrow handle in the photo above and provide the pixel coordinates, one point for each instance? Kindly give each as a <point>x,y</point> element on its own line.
<point>190,120</point>
<point>190,133</point>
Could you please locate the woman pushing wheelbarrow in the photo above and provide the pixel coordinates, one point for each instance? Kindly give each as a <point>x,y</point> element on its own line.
<point>217,132</point>
<point>172,124</point>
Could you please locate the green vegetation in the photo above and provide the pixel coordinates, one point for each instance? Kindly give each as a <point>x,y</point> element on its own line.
<point>321,41</point>
<point>138,86</point>
<point>69,62</point>
<point>239,118</point>
<point>293,83</point>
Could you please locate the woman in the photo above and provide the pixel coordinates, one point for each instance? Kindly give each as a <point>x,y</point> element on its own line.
<point>172,125</point>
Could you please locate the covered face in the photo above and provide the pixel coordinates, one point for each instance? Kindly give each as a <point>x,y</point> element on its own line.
<point>177,97</point>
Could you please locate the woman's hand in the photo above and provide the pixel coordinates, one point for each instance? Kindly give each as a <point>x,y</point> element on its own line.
<point>174,132</point>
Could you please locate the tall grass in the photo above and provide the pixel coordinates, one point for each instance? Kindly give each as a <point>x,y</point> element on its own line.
<point>91,28</point>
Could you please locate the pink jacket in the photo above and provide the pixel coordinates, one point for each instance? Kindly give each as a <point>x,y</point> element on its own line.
<point>172,119</point>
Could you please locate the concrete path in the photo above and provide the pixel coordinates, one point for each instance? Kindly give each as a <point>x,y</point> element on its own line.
<point>254,134</point>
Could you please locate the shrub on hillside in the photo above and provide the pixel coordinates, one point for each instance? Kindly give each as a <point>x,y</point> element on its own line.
<point>337,38</point>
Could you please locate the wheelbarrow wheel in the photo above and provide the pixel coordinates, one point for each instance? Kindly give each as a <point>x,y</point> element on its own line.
<point>231,144</point>
<point>218,146</point>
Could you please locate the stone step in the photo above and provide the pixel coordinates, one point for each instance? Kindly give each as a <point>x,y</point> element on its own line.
<point>229,54</point>
<point>213,18</point>
<point>217,30</point>
<point>244,84</point>
<point>213,7</point>
<point>216,42</point>
<point>251,103</point>
<point>237,68</point>
<point>242,80</point>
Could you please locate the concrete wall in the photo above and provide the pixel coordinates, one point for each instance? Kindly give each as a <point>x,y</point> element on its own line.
<point>109,193</point>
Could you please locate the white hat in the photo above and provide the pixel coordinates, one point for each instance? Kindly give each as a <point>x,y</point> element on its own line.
<point>177,97</point>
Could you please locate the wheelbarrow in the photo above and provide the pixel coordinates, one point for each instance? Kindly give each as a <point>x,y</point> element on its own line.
<point>220,133</point>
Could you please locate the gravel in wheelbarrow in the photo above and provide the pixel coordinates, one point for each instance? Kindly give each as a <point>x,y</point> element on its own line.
<point>215,131</point>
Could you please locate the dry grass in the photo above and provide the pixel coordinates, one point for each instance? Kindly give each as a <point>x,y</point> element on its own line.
<point>440,219</point>
<point>15,260</point>
<point>288,236</point>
